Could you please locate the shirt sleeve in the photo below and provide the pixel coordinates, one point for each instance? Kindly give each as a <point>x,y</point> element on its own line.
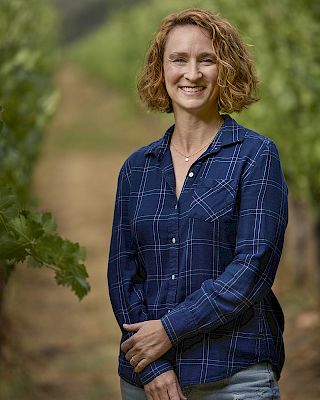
<point>125,278</point>
<point>263,217</point>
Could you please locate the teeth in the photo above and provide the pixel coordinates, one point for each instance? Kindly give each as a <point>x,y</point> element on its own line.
<point>192,89</point>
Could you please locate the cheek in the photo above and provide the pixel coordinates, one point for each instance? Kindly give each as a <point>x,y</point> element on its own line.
<point>167,85</point>
<point>166,77</point>
<point>171,75</point>
<point>169,82</point>
<point>213,75</point>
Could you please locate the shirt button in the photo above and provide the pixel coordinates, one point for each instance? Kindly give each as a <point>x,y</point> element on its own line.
<point>168,311</point>
<point>173,240</point>
<point>173,276</point>
<point>191,174</point>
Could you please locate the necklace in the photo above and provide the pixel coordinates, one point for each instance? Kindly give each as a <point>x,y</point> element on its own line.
<point>186,156</point>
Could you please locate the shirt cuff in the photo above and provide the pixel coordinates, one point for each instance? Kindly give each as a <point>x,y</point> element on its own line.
<point>179,323</point>
<point>154,369</point>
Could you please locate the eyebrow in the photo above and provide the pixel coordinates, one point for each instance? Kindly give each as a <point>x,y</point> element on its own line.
<point>182,54</point>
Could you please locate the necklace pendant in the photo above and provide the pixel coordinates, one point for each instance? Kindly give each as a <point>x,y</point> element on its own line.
<point>187,159</point>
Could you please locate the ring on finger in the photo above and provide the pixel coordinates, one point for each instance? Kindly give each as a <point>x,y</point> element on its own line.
<point>132,361</point>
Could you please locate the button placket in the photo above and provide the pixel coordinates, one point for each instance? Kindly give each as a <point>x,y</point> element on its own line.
<point>173,240</point>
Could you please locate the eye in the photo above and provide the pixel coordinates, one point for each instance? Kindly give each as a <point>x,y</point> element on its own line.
<point>208,61</point>
<point>178,60</point>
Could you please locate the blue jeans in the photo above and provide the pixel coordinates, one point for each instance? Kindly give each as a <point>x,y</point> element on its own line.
<point>257,382</point>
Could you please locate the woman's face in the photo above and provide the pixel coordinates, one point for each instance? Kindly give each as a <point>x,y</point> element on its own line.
<point>190,70</point>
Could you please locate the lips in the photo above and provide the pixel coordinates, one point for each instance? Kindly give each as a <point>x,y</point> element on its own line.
<point>192,89</point>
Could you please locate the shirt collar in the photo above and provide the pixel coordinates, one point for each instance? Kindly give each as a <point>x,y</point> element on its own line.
<point>230,132</point>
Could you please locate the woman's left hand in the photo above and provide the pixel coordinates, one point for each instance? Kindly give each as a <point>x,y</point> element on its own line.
<point>148,343</point>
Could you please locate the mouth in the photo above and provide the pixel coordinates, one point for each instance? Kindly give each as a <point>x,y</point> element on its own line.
<point>192,89</point>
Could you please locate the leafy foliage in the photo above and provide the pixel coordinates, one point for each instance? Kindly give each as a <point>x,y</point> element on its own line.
<point>28,98</point>
<point>30,234</point>
<point>283,37</point>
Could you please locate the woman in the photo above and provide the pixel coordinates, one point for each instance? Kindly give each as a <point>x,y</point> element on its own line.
<point>198,228</point>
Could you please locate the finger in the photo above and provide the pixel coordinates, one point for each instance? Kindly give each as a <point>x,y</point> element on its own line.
<point>141,365</point>
<point>181,395</point>
<point>173,392</point>
<point>126,345</point>
<point>144,361</point>
<point>149,396</point>
<point>158,392</point>
<point>132,327</point>
<point>133,362</point>
<point>161,394</point>
<point>131,353</point>
<point>152,395</point>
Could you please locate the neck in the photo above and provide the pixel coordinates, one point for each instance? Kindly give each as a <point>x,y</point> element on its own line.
<point>192,132</point>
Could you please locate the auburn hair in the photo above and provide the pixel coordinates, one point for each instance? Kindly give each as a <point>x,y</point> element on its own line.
<point>236,79</point>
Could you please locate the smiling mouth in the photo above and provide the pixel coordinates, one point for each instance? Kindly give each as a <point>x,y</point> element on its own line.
<point>192,89</point>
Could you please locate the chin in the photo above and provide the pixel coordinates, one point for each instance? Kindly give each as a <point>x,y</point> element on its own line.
<point>196,108</point>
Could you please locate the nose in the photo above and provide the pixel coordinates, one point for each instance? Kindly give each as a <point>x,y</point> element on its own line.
<point>193,73</point>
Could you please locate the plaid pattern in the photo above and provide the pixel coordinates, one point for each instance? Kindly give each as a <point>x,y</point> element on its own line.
<point>204,264</point>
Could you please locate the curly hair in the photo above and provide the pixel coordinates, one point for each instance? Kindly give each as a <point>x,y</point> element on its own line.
<point>236,79</point>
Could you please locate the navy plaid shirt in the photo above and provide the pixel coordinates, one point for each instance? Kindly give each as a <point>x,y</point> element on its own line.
<point>204,264</point>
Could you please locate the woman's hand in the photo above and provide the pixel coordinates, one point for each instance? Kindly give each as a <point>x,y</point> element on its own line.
<point>164,387</point>
<point>148,343</point>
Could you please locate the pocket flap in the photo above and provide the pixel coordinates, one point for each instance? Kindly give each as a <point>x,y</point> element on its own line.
<point>213,198</point>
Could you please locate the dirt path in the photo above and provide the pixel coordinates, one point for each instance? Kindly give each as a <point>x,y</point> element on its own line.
<point>70,348</point>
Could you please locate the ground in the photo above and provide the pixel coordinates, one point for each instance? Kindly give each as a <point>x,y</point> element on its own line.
<point>60,348</point>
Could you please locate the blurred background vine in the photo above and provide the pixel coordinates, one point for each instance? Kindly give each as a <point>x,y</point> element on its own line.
<point>28,48</point>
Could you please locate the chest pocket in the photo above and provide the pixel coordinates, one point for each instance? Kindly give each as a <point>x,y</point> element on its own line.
<point>213,199</point>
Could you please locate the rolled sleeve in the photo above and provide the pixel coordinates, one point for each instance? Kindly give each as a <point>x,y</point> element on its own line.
<point>154,369</point>
<point>179,324</point>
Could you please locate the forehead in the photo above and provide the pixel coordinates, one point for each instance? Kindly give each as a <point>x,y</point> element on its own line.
<point>183,38</point>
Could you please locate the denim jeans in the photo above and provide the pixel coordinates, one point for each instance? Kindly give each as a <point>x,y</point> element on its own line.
<point>257,382</point>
